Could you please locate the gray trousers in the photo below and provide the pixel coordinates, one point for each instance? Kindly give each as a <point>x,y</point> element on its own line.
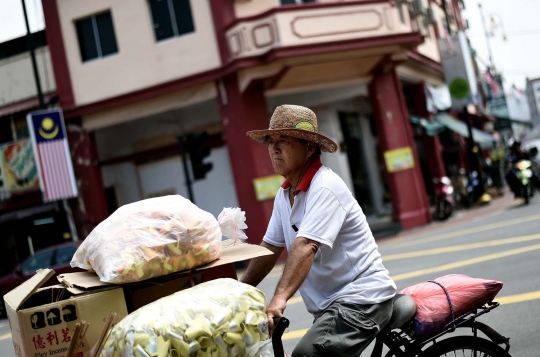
<point>344,329</point>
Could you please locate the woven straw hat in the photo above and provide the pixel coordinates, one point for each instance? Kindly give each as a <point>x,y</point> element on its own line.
<point>296,121</point>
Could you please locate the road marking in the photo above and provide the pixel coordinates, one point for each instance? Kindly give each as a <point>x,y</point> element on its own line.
<point>511,299</point>
<point>487,227</point>
<point>294,334</point>
<point>5,337</point>
<point>295,300</point>
<point>466,262</point>
<point>457,248</point>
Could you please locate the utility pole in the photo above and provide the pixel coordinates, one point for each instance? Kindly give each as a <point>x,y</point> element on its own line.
<point>30,44</point>
<point>182,145</point>
<point>491,64</point>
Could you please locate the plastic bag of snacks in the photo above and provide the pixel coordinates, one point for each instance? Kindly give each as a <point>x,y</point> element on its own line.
<point>156,237</point>
<point>220,318</point>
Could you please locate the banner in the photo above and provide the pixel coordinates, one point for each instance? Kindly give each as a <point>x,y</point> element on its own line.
<point>458,70</point>
<point>49,139</point>
<point>18,169</point>
<point>399,159</point>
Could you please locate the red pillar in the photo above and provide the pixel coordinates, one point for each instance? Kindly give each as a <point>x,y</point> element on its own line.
<point>241,112</point>
<point>409,197</point>
<point>90,208</point>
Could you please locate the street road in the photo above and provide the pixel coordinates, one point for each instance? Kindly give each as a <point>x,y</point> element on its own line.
<point>504,246</point>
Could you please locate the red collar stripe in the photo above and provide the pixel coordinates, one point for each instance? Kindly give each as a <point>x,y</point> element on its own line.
<point>308,177</point>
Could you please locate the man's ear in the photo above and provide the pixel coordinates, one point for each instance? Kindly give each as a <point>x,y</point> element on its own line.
<point>311,148</point>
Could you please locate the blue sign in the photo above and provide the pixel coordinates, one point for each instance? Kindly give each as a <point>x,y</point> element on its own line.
<point>48,125</point>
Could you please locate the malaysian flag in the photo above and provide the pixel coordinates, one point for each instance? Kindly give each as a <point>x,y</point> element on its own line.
<point>53,158</point>
<point>492,82</point>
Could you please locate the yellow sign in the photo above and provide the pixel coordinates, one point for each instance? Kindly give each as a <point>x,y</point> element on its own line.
<point>399,159</point>
<point>266,188</point>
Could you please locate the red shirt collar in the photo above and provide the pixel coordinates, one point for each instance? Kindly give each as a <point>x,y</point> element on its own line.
<point>308,177</point>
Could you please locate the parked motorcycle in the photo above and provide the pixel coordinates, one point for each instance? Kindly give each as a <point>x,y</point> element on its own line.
<point>523,171</point>
<point>444,199</point>
<point>460,182</point>
<point>476,189</point>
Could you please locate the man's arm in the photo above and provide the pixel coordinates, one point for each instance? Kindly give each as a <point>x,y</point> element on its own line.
<point>296,270</point>
<point>259,267</point>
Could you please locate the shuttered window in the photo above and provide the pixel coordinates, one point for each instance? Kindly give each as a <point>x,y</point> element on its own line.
<point>171,18</point>
<point>96,36</point>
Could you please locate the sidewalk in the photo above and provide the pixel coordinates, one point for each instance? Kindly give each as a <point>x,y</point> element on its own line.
<point>497,205</point>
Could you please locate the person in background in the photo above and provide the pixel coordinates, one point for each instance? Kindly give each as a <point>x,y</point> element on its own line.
<point>518,154</point>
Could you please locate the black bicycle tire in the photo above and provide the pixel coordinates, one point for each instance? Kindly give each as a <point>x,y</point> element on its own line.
<point>461,342</point>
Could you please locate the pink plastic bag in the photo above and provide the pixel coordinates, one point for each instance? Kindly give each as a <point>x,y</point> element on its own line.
<point>433,310</point>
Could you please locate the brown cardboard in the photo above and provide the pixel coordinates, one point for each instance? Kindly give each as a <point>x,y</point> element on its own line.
<point>231,254</point>
<point>42,321</point>
<point>144,292</point>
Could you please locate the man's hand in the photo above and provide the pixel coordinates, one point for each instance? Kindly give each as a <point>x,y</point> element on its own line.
<point>274,311</point>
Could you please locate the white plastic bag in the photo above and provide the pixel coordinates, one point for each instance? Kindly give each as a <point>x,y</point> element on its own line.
<point>155,237</point>
<point>220,318</point>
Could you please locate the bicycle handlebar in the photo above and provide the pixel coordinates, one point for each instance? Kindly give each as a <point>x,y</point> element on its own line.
<point>277,343</point>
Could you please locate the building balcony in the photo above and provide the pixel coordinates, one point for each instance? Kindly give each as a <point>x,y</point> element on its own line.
<point>371,22</point>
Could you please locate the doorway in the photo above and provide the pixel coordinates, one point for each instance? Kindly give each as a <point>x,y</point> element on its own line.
<point>352,145</point>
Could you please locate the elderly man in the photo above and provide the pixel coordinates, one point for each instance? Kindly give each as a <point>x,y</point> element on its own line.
<point>332,256</point>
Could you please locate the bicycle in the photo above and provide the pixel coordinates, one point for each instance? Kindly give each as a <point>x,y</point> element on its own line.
<point>396,338</point>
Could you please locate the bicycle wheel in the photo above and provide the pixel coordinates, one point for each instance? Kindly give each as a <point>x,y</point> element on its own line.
<point>461,346</point>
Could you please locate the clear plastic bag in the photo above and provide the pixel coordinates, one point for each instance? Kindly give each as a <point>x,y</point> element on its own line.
<point>220,318</point>
<point>155,237</point>
<point>433,310</point>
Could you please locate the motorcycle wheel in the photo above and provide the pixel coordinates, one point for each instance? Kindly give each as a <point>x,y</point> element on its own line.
<point>464,346</point>
<point>444,210</point>
<point>525,194</point>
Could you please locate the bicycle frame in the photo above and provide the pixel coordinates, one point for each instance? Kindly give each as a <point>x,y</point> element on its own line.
<point>397,339</point>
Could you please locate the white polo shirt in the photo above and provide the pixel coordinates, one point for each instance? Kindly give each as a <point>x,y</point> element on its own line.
<point>348,266</point>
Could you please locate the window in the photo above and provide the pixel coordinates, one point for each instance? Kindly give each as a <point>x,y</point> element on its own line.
<point>171,18</point>
<point>293,2</point>
<point>64,255</point>
<point>96,36</point>
<point>38,261</point>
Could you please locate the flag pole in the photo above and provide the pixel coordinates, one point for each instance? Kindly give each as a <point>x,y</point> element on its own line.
<point>30,45</point>
<point>491,64</point>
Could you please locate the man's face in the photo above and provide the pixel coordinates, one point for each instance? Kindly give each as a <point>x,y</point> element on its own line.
<point>288,154</point>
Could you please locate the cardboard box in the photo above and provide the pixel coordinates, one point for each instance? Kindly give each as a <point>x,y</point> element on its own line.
<point>142,293</point>
<point>42,321</point>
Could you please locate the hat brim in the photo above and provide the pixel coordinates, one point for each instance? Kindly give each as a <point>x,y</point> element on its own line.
<point>326,144</point>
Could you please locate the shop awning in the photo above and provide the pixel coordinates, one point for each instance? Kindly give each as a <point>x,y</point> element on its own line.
<point>484,139</point>
<point>432,127</point>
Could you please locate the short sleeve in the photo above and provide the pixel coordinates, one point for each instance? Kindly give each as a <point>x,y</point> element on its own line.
<point>323,217</point>
<point>274,233</point>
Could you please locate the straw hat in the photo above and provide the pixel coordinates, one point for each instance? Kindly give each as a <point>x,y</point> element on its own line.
<point>296,121</point>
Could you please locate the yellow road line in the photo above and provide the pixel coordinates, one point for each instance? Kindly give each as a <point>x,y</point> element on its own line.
<point>511,299</point>
<point>5,337</point>
<point>294,334</point>
<point>295,300</point>
<point>466,262</point>
<point>457,248</point>
<point>392,245</point>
